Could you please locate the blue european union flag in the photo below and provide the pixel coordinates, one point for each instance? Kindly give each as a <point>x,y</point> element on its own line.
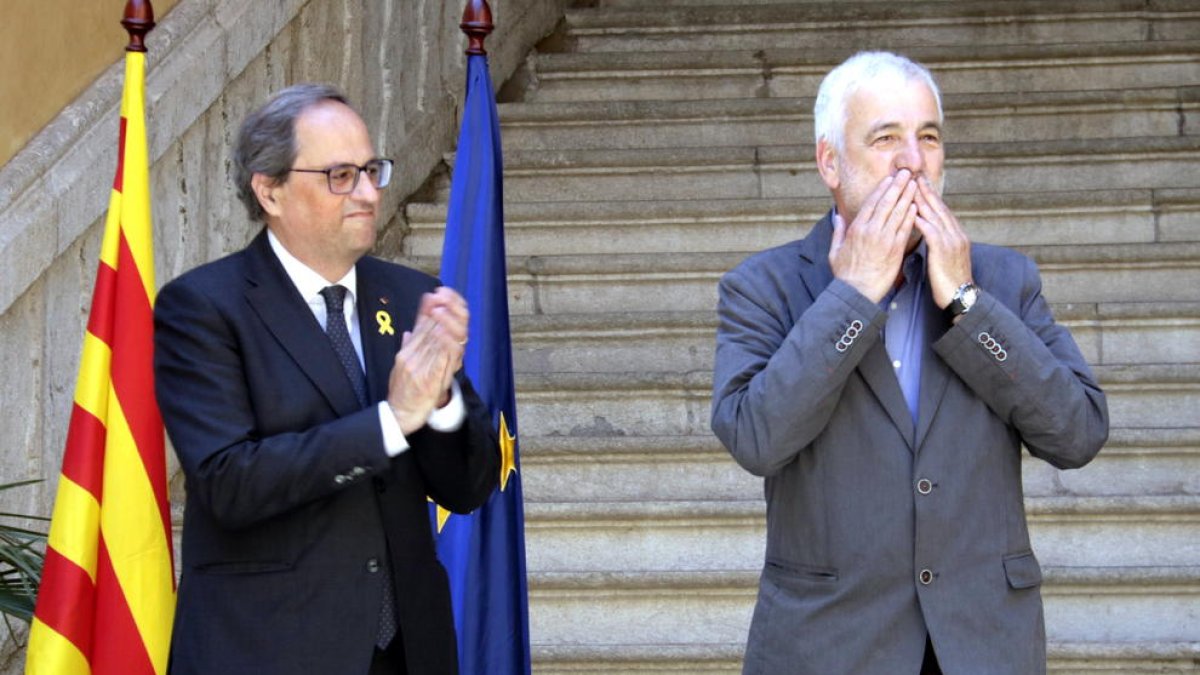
<point>484,553</point>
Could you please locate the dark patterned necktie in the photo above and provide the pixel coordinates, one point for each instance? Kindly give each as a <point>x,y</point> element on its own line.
<point>335,328</point>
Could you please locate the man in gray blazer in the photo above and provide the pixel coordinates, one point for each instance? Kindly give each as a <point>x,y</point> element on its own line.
<point>882,375</point>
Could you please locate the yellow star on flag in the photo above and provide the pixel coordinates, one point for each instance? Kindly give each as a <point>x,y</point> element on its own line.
<point>508,453</point>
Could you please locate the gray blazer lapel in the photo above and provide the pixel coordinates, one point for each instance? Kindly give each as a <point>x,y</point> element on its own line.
<point>935,374</point>
<point>875,367</point>
<point>814,250</point>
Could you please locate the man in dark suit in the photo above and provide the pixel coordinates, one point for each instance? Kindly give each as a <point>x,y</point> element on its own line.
<point>882,374</point>
<point>312,396</point>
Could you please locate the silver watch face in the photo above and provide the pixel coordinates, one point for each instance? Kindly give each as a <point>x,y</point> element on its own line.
<point>969,295</point>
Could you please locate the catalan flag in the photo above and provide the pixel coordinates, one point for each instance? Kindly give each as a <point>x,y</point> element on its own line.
<point>107,596</point>
<point>484,552</point>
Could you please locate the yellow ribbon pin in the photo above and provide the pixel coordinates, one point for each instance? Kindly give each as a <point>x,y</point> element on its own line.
<point>385,323</point>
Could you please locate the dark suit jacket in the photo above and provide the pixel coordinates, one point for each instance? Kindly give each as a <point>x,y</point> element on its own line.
<point>289,491</point>
<point>804,395</point>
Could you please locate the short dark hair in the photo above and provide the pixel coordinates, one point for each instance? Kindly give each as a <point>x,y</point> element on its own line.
<point>266,143</point>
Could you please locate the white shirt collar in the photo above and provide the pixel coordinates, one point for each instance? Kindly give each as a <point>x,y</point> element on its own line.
<point>306,280</point>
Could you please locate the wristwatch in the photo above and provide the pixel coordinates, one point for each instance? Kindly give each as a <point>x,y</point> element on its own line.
<point>963,300</point>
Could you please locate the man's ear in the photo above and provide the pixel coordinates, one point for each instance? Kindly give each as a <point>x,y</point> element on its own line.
<point>265,189</point>
<point>827,164</point>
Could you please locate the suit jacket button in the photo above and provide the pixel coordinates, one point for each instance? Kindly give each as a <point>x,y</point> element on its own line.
<point>924,486</point>
<point>373,565</point>
<point>926,577</point>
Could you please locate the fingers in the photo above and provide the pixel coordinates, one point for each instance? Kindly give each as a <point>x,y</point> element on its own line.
<point>449,310</point>
<point>873,201</point>
<point>867,252</point>
<point>949,263</point>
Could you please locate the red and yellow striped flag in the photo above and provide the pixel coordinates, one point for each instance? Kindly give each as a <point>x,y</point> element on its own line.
<point>107,596</point>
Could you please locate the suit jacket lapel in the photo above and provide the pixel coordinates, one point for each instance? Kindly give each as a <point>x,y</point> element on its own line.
<point>875,367</point>
<point>814,249</point>
<point>935,374</point>
<point>285,315</point>
<point>382,319</point>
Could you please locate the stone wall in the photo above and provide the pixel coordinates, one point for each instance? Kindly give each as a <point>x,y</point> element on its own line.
<point>209,63</point>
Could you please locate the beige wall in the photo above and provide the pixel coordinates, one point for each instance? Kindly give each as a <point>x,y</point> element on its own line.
<point>51,50</point>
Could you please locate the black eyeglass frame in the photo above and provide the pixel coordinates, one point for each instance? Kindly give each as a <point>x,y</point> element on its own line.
<point>385,174</point>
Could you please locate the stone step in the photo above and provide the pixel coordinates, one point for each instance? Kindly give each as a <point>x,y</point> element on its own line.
<point>832,25</point>
<point>713,536</point>
<point>713,225</point>
<point>991,117</point>
<point>634,469</point>
<point>1107,334</point>
<point>771,73</point>
<point>1065,658</point>
<point>678,404</point>
<point>788,171</point>
<point>626,4</point>
<point>1148,605</point>
<point>650,282</point>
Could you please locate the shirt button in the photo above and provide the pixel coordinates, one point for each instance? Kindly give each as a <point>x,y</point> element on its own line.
<point>924,486</point>
<point>896,364</point>
<point>926,577</point>
<point>893,306</point>
<point>340,479</point>
<point>373,565</point>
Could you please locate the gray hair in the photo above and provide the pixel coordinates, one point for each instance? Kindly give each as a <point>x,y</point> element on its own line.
<point>266,143</point>
<point>831,109</point>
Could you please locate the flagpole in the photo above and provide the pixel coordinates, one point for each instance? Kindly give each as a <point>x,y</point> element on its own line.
<point>484,552</point>
<point>106,599</point>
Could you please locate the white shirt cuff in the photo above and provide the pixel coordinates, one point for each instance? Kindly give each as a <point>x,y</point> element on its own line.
<point>449,417</point>
<point>394,441</point>
<point>445,419</point>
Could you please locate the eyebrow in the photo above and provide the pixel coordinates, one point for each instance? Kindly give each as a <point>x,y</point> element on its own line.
<point>887,125</point>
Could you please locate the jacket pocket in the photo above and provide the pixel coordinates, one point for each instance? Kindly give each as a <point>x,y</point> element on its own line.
<point>243,567</point>
<point>786,572</point>
<point>1022,570</point>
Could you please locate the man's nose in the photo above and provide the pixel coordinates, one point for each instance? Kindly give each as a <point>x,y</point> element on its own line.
<point>365,190</point>
<point>909,157</point>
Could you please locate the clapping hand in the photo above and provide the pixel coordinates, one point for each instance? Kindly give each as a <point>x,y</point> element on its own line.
<point>430,354</point>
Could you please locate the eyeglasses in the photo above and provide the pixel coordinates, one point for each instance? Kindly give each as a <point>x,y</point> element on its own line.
<point>343,178</point>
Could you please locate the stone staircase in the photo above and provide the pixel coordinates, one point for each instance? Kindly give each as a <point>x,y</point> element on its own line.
<point>649,147</point>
